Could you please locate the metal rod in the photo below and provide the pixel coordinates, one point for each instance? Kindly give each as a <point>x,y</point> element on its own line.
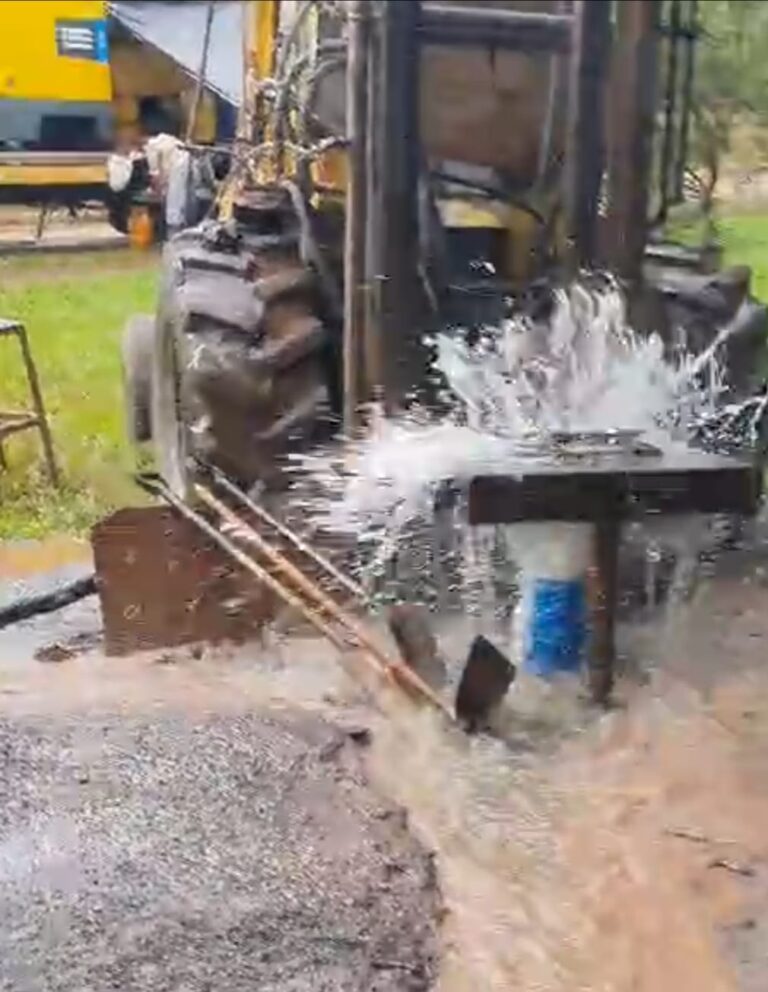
<point>632,125</point>
<point>200,81</point>
<point>602,659</point>
<point>686,108</point>
<point>356,219</point>
<point>465,24</point>
<point>585,138</point>
<point>39,406</point>
<point>399,302</point>
<point>356,590</point>
<point>670,106</point>
<point>290,599</point>
<point>391,667</point>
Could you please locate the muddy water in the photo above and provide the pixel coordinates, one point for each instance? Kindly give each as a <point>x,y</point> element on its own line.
<point>627,853</point>
<point>624,852</point>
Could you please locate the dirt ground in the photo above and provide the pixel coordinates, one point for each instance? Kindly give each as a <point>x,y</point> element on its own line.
<point>89,228</point>
<point>174,821</point>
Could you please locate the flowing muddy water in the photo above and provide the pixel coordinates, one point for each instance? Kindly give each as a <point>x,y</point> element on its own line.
<point>577,850</point>
<point>623,851</point>
<point>617,852</point>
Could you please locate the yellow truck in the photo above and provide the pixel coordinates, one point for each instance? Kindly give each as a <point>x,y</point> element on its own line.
<point>55,100</point>
<point>80,79</point>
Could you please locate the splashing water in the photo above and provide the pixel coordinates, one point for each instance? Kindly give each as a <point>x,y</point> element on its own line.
<point>550,838</point>
<point>508,394</point>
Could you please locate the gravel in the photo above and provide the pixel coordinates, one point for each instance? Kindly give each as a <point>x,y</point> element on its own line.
<point>174,852</point>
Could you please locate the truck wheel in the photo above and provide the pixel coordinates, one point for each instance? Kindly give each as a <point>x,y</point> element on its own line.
<point>137,346</point>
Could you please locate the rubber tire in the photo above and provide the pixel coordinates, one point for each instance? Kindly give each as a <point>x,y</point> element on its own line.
<point>137,347</point>
<point>225,417</point>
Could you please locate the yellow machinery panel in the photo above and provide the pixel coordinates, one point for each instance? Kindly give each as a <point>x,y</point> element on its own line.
<point>52,50</point>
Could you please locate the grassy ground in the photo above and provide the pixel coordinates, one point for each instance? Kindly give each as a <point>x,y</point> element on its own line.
<point>74,307</point>
<point>745,240</point>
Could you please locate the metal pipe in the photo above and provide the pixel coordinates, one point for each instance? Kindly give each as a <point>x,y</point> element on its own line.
<point>200,82</point>
<point>602,657</point>
<point>322,602</point>
<point>343,580</point>
<point>462,24</point>
<point>686,108</point>
<point>399,301</point>
<point>632,124</point>
<point>356,215</point>
<point>585,154</point>
<point>670,101</point>
<point>48,602</point>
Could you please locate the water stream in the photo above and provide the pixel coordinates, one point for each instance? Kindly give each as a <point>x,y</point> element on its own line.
<point>552,839</point>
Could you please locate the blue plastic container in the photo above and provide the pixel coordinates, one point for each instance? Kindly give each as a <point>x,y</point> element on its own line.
<point>556,633</point>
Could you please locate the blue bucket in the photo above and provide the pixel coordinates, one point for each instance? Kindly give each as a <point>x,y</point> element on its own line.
<point>557,627</point>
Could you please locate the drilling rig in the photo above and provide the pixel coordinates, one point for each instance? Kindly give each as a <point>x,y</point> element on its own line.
<point>403,166</point>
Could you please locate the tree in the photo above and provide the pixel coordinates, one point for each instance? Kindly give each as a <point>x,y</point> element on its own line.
<point>731,79</point>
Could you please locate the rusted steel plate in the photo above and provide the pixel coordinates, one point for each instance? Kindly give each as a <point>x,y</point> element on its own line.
<point>161,584</point>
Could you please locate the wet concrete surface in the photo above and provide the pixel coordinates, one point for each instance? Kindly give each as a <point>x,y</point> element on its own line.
<point>78,625</point>
<point>218,852</point>
<point>167,823</point>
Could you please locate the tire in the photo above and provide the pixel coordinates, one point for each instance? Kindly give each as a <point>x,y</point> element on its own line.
<point>242,363</point>
<point>137,348</point>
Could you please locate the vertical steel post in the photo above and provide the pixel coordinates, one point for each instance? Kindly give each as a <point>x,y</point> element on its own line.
<point>398,302</point>
<point>686,104</point>
<point>585,149</point>
<point>355,221</point>
<point>666,177</point>
<point>630,146</point>
<point>602,657</point>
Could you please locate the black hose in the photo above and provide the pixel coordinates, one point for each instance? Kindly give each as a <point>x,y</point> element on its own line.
<point>48,602</point>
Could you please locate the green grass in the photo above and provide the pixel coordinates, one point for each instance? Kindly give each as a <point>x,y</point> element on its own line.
<point>74,307</point>
<point>744,239</point>
<point>745,242</point>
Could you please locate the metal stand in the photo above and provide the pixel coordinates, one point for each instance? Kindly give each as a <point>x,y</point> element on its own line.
<point>602,657</point>
<point>13,422</point>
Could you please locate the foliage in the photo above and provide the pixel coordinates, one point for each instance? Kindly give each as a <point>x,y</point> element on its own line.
<point>731,77</point>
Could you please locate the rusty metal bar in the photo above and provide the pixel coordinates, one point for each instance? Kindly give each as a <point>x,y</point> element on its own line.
<point>585,152</point>
<point>525,31</point>
<point>343,580</point>
<point>320,605</point>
